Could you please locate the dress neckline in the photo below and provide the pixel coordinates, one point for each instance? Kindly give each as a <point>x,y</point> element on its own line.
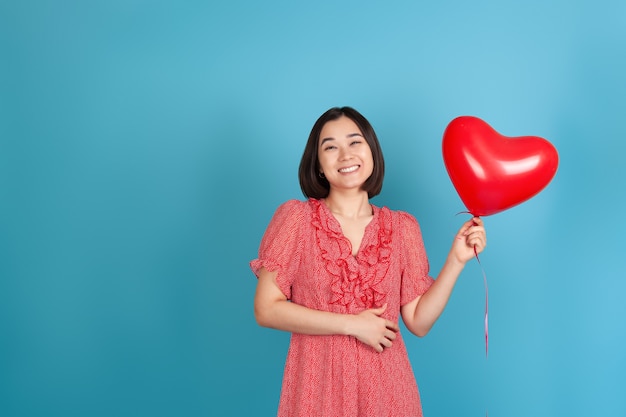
<point>356,279</point>
<point>336,226</point>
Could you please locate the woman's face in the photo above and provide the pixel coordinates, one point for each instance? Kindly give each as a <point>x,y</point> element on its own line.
<point>345,157</point>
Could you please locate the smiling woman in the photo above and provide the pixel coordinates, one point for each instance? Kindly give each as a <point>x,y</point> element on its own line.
<point>339,121</point>
<point>338,272</point>
<point>345,158</point>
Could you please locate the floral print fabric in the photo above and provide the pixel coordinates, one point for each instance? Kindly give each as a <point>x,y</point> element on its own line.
<point>338,375</point>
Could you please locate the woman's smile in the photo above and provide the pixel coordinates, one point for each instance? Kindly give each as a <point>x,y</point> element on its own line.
<point>345,158</point>
<point>349,169</point>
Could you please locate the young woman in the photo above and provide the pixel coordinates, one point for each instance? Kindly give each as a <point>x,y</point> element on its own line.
<point>338,272</point>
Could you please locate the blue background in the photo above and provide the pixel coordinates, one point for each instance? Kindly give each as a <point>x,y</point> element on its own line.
<point>144,146</point>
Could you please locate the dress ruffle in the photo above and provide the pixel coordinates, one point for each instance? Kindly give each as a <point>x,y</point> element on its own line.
<point>357,280</point>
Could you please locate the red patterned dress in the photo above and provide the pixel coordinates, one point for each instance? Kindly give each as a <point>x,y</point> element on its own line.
<point>337,375</point>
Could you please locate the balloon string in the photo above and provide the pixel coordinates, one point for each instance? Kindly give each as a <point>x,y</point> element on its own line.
<point>486,294</point>
<point>486,310</point>
<point>486,301</point>
<point>486,304</point>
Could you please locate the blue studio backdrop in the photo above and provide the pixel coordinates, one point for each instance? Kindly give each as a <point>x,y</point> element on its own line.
<point>144,147</point>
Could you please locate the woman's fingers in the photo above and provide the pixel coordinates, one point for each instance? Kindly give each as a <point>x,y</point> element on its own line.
<point>386,343</point>
<point>475,234</point>
<point>392,326</point>
<point>391,335</point>
<point>478,239</point>
<point>374,330</point>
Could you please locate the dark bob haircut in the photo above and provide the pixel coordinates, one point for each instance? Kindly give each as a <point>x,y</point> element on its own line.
<point>311,183</point>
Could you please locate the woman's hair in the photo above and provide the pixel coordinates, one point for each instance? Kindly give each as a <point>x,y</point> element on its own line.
<point>315,186</point>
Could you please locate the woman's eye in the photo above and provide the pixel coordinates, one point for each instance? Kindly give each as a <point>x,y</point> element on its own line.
<point>330,147</point>
<point>356,142</point>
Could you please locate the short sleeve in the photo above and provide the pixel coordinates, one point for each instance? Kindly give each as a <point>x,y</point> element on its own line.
<point>413,259</point>
<point>281,245</point>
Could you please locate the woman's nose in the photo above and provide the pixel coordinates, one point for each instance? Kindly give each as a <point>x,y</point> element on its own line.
<point>344,153</point>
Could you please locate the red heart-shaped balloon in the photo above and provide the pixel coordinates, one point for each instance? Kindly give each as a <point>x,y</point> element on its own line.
<point>492,172</point>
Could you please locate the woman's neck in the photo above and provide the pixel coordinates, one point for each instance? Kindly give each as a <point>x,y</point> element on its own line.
<point>350,206</point>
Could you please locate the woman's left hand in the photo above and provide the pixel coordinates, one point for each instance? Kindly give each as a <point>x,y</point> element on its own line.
<point>469,241</point>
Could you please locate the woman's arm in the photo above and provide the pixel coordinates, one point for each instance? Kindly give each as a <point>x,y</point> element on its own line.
<point>421,314</point>
<point>272,309</point>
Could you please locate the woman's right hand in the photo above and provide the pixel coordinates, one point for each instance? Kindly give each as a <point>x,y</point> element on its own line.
<point>375,331</point>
